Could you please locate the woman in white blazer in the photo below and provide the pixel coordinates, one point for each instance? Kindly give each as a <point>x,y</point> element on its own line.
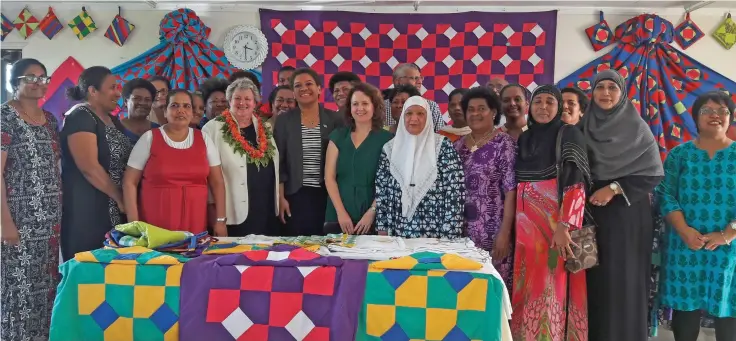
<point>250,163</point>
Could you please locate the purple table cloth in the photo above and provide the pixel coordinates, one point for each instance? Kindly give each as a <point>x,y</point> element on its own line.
<point>282,293</point>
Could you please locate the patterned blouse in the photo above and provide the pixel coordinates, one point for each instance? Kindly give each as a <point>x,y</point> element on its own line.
<point>438,215</point>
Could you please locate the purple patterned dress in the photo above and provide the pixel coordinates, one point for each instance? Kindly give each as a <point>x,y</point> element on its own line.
<point>489,173</point>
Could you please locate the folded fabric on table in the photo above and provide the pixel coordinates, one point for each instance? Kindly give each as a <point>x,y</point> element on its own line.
<point>143,234</point>
<point>121,294</point>
<point>431,304</point>
<point>280,293</point>
<point>428,261</point>
<point>138,233</point>
<point>343,240</point>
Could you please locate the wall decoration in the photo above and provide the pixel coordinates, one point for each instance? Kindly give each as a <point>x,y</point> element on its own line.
<point>50,24</point>
<point>7,26</point>
<point>600,34</point>
<point>65,76</point>
<point>688,33</point>
<point>662,81</point>
<point>246,47</point>
<point>25,23</point>
<point>119,29</point>
<point>82,24</point>
<point>453,50</point>
<point>184,55</point>
<point>725,34</point>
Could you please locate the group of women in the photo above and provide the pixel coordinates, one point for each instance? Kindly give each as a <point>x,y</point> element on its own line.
<point>517,191</point>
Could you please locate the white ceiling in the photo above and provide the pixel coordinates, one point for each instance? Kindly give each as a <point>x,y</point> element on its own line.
<point>394,5</point>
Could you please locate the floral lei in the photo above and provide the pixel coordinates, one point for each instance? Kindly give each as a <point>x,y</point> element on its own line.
<point>260,156</point>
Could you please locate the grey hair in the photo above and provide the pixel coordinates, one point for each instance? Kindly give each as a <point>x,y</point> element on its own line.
<point>399,70</point>
<point>242,84</point>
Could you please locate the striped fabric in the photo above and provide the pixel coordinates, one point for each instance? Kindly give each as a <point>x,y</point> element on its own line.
<point>311,155</point>
<point>50,24</point>
<point>119,30</point>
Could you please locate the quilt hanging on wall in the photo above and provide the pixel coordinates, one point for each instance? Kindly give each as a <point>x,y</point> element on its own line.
<point>452,50</point>
<point>184,55</point>
<point>65,76</point>
<point>662,81</point>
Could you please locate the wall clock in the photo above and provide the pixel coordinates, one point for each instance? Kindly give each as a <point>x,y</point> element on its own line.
<point>246,47</point>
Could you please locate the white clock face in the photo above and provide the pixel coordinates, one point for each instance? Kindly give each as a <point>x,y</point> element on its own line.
<point>244,46</point>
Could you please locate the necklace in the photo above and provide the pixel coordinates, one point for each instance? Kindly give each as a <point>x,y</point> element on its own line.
<point>29,117</point>
<point>310,121</point>
<point>481,141</point>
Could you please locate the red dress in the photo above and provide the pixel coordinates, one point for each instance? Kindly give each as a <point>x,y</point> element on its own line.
<point>173,192</point>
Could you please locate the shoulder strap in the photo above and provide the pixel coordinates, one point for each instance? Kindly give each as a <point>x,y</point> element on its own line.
<point>558,161</point>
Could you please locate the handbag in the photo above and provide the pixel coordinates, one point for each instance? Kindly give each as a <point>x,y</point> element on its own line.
<point>585,254</point>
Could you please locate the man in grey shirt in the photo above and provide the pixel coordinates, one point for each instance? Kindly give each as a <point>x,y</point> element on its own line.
<point>409,73</point>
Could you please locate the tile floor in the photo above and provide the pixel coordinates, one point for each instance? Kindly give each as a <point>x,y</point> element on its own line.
<point>666,335</point>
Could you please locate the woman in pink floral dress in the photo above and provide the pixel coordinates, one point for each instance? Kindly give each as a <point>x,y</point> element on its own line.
<point>549,303</point>
<point>488,156</point>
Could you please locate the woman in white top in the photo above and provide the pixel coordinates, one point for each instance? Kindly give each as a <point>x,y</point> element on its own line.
<point>174,165</point>
<point>250,162</point>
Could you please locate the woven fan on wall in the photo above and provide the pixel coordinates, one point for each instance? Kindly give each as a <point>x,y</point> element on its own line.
<point>119,29</point>
<point>25,23</point>
<point>7,26</point>
<point>82,24</point>
<point>50,24</point>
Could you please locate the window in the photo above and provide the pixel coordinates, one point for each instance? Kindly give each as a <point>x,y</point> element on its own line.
<point>8,58</point>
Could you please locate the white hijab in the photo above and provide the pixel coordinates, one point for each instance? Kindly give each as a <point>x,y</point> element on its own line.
<point>413,158</point>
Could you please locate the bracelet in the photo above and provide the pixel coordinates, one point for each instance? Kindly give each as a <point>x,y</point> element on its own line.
<point>723,235</point>
<point>221,220</point>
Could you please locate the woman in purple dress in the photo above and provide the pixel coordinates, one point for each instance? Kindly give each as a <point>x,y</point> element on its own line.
<point>488,156</point>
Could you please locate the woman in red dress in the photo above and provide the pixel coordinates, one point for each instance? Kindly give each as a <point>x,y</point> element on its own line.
<point>548,302</point>
<point>174,165</point>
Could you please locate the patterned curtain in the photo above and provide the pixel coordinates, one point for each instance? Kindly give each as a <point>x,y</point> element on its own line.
<point>184,55</point>
<point>662,82</point>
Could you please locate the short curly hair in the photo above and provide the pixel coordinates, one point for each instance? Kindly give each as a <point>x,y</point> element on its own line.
<point>343,76</point>
<point>492,100</point>
<point>305,70</point>
<point>583,99</point>
<point>716,96</point>
<point>212,85</point>
<point>138,83</point>
<point>242,84</point>
<point>378,107</point>
<point>403,89</point>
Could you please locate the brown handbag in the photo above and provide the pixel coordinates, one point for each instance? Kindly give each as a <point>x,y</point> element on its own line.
<point>585,254</point>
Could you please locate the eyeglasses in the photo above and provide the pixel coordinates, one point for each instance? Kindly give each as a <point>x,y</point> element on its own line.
<point>723,111</point>
<point>408,78</point>
<point>35,79</point>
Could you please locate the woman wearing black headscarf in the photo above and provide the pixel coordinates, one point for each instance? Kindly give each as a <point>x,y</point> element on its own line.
<point>626,166</point>
<point>548,206</point>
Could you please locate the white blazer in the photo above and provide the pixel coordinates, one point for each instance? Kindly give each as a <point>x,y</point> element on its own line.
<point>235,173</point>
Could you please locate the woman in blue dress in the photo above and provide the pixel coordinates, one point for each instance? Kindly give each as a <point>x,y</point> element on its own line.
<point>698,200</point>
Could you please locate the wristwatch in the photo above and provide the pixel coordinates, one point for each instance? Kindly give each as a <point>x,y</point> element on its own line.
<point>614,187</point>
<point>221,220</point>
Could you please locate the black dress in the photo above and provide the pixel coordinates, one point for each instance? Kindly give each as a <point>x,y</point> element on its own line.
<point>88,213</point>
<point>262,217</point>
<point>618,288</point>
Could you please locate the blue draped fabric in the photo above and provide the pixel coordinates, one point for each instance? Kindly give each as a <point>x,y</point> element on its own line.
<point>660,79</point>
<point>184,55</point>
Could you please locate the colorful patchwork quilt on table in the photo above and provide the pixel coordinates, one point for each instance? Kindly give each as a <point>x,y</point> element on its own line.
<point>118,294</point>
<point>428,296</point>
<point>281,293</point>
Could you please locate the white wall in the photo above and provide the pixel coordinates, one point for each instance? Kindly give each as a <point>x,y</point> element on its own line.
<point>573,48</point>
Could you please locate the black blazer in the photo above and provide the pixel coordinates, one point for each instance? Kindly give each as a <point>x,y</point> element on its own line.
<point>288,135</point>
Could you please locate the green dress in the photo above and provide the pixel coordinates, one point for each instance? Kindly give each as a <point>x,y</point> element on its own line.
<point>356,171</point>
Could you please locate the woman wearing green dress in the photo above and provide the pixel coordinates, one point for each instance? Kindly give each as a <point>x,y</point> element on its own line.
<point>698,200</point>
<point>352,161</point>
